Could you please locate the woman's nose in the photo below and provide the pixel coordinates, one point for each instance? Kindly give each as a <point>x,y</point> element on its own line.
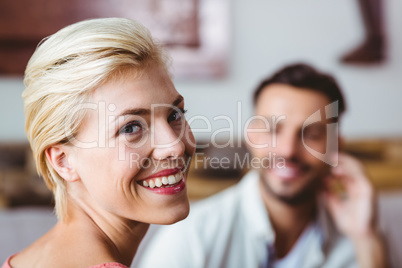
<point>167,144</point>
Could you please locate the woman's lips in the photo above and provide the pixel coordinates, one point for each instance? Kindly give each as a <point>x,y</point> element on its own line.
<point>169,181</point>
<point>169,189</point>
<point>165,172</point>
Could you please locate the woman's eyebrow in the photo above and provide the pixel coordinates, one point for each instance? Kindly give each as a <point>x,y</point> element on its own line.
<point>143,111</point>
<point>178,100</point>
<point>135,111</point>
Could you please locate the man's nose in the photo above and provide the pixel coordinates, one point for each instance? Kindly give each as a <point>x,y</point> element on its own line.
<point>287,145</point>
<point>167,144</point>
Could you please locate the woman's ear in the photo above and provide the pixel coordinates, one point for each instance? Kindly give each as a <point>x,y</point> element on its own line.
<point>57,155</point>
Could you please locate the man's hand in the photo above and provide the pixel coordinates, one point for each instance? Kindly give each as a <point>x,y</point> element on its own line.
<point>351,201</point>
<point>350,198</point>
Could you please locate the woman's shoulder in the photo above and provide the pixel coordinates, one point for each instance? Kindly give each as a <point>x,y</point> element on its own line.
<point>103,265</point>
<point>47,256</point>
<point>6,264</point>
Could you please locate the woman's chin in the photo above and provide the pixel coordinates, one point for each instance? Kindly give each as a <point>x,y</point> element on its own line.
<point>171,217</point>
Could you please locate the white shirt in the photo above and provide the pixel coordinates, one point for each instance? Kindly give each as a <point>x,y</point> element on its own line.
<point>297,253</point>
<point>232,229</point>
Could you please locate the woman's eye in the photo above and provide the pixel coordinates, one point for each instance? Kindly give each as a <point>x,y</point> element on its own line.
<point>176,115</point>
<point>131,128</point>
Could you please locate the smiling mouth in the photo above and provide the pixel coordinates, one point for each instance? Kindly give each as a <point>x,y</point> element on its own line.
<point>290,172</point>
<point>163,181</point>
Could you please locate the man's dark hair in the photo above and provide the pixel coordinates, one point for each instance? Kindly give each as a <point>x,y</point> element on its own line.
<point>305,76</point>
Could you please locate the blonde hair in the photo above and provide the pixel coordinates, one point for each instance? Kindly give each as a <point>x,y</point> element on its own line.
<point>63,72</point>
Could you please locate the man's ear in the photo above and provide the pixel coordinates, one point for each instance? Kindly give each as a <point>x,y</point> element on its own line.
<point>57,155</point>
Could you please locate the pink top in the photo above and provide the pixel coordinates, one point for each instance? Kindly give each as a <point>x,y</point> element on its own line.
<point>7,262</point>
<point>109,265</point>
<point>103,265</point>
<point>106,265</point>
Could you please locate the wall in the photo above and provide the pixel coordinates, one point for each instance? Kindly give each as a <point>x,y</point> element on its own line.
<point>266,34</point>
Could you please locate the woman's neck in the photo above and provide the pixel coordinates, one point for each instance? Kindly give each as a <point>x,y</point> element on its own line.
<point>113,234</point>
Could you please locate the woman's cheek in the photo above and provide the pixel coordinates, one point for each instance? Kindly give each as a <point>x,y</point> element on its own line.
<point>189,141</point>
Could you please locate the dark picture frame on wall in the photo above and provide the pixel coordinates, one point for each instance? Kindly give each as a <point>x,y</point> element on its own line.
<point>195,32</point>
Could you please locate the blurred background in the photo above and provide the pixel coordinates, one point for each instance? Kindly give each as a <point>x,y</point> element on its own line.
<point>221,49</point>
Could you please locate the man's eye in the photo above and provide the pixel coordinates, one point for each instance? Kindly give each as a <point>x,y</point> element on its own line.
<point>176,115</point>
<point>131,128</point>
<point>313,135</point>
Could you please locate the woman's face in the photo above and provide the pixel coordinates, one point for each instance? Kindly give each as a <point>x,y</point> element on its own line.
<point>132,152</point>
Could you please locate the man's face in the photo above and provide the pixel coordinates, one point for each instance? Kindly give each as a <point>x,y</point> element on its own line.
<point>293,175</point>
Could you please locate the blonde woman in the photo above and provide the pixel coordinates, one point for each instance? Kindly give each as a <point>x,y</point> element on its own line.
<point>107,131</point>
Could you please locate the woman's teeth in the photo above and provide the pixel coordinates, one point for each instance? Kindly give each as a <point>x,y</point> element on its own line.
<point>162,181</point>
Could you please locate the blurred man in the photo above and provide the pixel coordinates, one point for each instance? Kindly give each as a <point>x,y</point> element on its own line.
<point>302,205</point>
